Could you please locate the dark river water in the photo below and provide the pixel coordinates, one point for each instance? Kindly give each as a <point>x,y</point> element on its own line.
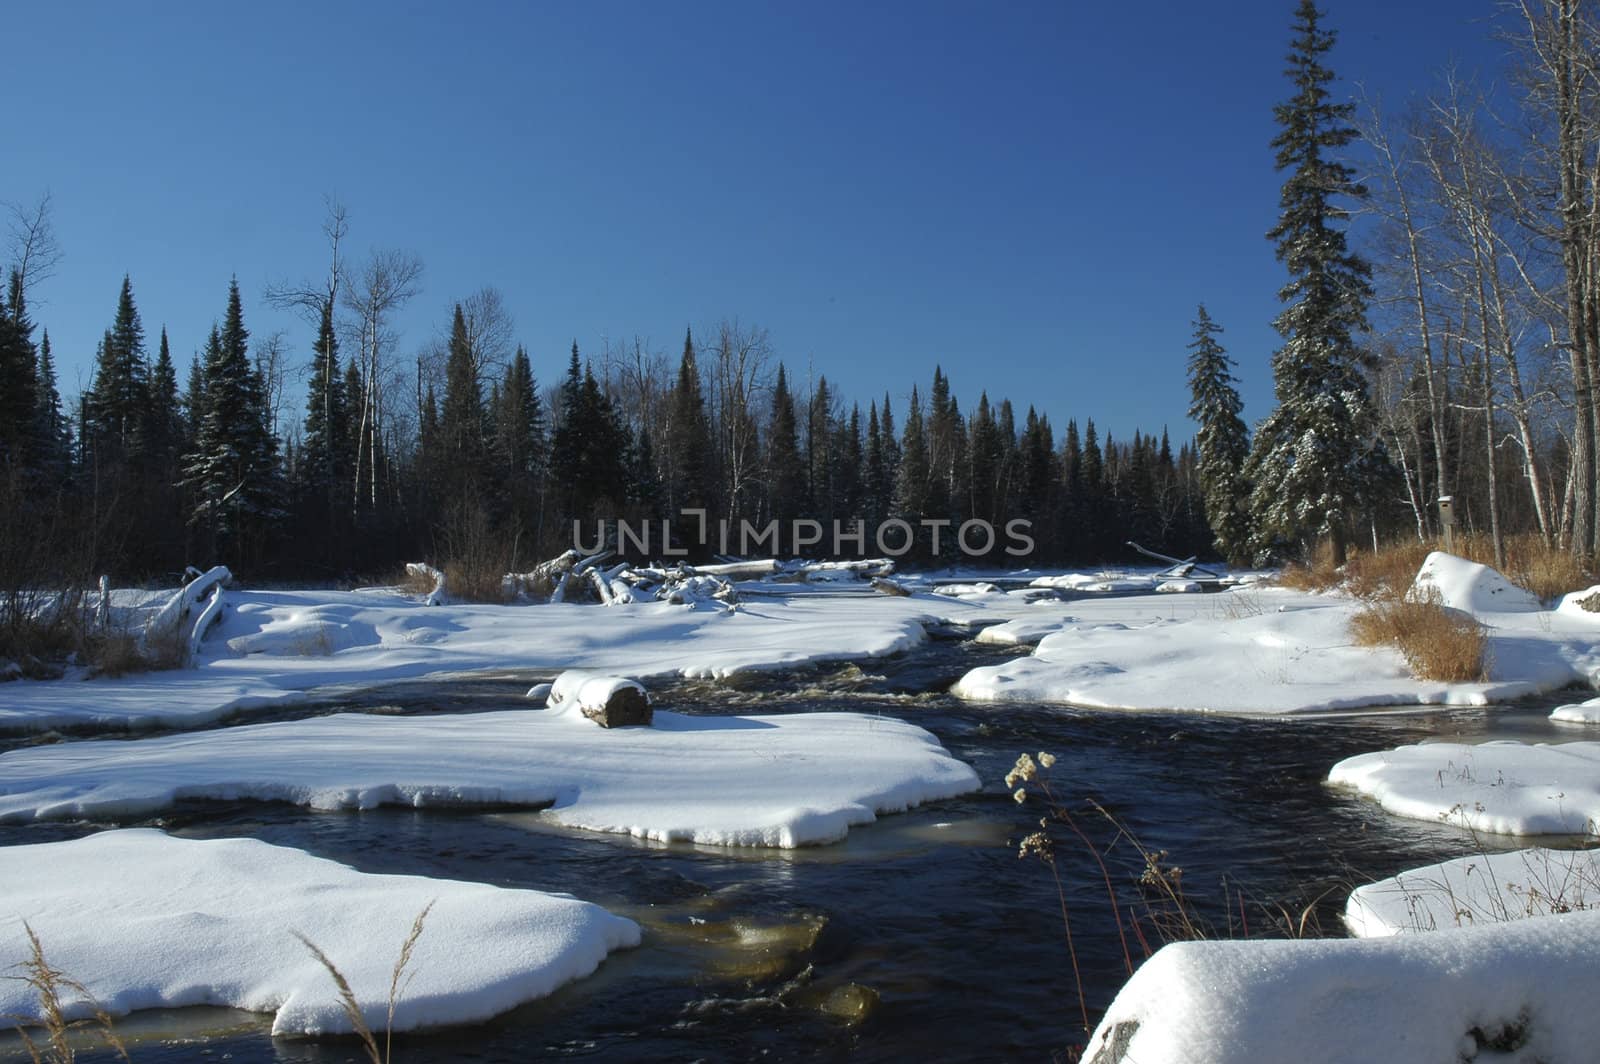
<point>932,910</point>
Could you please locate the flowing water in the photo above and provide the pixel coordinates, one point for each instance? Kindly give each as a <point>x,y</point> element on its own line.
<point>750,953</point>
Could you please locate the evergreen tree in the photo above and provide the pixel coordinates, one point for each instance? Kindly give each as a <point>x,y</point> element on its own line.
<point>114,405</point>
<point>873,475</point>
<point>162,423</point>
<point>21,428</point>
<point>567,445</point>
<point>911,481</point>
<point>55,432</point>
<point>1316,462</point>
<point>232,469</point>
<point>323,463</point>
<point>520,441</point>
<point>461,420</point>
<point>786,475</point>
<point>1222,444</point>
<point>689,454</point>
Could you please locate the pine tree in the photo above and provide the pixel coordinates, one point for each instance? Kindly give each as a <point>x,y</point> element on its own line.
<point>161,430</point>
<point>323,463</point>
<point>232,469</point>
<point>55,432</point>
<point>688,437</point>
<point>114,405</point>
<point>567,445</point>
<point>520,441</point>
<point>1316,462</point>
<point>786,474</point>
<point>911,481</point>
<point>1222,443</point>
<point>461,419</point>
<point>21,429</point>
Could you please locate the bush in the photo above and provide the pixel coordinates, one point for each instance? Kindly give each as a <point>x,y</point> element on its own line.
<point>1437,643</point>
<point>1546,571</point>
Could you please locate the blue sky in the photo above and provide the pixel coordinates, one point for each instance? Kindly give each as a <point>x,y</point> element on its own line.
<point>1034,196</point>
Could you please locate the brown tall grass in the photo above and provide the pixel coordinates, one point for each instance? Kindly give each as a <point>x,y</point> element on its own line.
<point>49,985</point>
<point>1544,570</point>
<point>399,980</point>
<point>1438,643</point>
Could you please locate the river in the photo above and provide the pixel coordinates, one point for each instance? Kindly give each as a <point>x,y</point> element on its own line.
<point>960,940</point>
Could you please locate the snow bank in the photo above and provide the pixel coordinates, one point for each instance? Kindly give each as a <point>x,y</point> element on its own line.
<point>1029,629</point>
<point>1098,583</point>
<point>1578,713</point>
<point>1443,997</point>
<point>1485,888</point>
<point>1507,788</point>
<point>1272,650</point>
<point>783,781</point>
<point>1470,587</point>
<point>1299,660</point>
<point>146,921</point>
<point>275,647</point>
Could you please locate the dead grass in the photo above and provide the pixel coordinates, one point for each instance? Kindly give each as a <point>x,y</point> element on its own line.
<point>1438,643</point>
<point>1545,571</point>
<point>51,985</point>
<point>399,980</point>
<point>477,579</point>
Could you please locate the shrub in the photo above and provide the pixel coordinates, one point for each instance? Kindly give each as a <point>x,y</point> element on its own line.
<point>1437,643</point>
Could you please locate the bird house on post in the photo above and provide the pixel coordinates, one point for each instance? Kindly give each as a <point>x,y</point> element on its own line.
<point>1447,521</point>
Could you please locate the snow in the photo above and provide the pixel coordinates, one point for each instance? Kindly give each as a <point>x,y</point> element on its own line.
<point>1044,619</point>
<point>1274,650</point>
<point>145,920</point>
<point>1472,588</point>
<point>1506,788</point>
<point>1442,997</point>
<point>782,781</point>
<point>1485,888</point>
<point>1587,712</point>
<point>272,648</point>
<point>1098,583</point>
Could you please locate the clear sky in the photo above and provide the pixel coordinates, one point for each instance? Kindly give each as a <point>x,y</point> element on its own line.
<point>1034,195</point>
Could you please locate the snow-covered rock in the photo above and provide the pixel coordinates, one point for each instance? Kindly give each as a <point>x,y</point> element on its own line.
<point>1470,587</point>
<point>1447,996</point>
<point>144,920</point>
<point>1485,888</point>
<point>982,587</point>
<point>1507,788</point>
<point>788,780</point>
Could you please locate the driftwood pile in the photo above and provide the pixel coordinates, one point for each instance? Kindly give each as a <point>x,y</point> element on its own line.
<point>576,577</point>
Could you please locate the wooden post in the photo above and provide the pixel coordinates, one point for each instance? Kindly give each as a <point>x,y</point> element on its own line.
<point>1447,521</point>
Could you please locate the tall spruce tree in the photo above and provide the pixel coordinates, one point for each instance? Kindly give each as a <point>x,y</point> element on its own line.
<point>688,437</point>
<point>21,430</point>
<point>461,420</point>
<point>1222,443</point>
<point>786,473</point>
<point>114,406</point>
<point>1317,462</point>
<point>231,472</point>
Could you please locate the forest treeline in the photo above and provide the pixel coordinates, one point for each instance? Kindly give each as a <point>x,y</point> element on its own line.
<point>1440,337</point>
<point>461,452</point>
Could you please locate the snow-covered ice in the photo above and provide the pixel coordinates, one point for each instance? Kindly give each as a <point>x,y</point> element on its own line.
<point>145,920</point>
<point>782,781</point>
<point>1447,996</point>
<point>1273,650</point>
<point>1484,888</point>
<point>1507,788</point>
